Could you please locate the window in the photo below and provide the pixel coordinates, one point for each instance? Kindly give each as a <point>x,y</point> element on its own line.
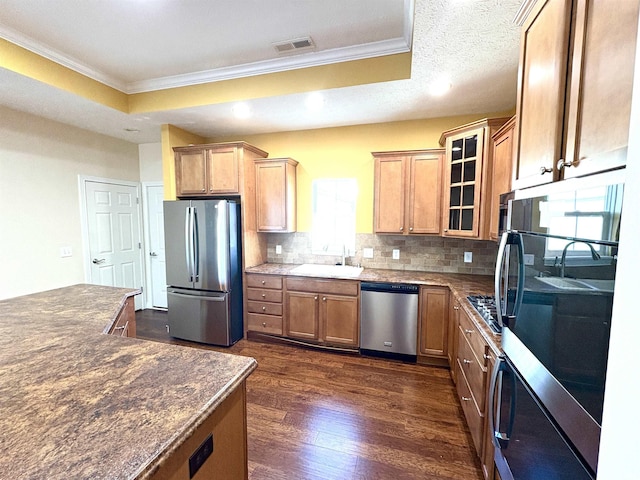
<point>334,216</point>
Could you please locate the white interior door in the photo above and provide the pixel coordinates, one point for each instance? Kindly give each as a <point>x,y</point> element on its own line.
<point>155,246</point>
<point>113,225</point>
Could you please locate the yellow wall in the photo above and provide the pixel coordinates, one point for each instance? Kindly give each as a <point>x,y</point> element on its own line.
<point>173,137</point>
<point>346,152</point>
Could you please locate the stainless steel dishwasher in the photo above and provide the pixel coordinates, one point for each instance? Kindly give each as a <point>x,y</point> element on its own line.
<point>389,320</point>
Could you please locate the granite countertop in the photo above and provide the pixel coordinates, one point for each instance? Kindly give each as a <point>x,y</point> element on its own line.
<point>461,285</point>
<point>76,403</point>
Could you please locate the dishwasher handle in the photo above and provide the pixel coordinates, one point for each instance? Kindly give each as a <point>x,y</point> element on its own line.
<point>403,288</point>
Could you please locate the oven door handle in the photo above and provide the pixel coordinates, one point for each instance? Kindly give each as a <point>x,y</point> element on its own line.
<point>500,439</point>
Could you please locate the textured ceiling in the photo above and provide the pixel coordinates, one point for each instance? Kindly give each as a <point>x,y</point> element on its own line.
<point>473,43</point>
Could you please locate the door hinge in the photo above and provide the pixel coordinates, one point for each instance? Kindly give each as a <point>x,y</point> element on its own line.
<point>140,245</point>
<point>141,289</point>
<point>137,200</point>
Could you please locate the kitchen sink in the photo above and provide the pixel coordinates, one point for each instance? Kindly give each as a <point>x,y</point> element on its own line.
<point>327,270</point>
<point>567,283</point>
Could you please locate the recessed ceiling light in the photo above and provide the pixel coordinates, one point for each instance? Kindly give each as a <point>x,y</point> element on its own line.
<point>439,87</point>
<point>241,110</point>
<point>314,101</point>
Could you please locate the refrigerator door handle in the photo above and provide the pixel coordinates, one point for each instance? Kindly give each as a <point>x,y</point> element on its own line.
<point>196,245</point>
<point>499,275</point>
<point>199,297</point>
<point>501,279</point>
<point>187,243</point>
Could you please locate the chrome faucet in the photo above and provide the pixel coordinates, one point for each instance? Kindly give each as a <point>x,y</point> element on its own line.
<point>595,255</point>
<point>344,254</point>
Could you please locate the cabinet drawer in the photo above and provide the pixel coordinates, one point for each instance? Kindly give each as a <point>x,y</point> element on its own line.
<point>475,373</point>
<point>469,330</point>
<point>265,308</point>
<point>264,295</point>
<point>314,285</point>
<point>264,281</point>
<point>264,323</point>
<point>475,419</point>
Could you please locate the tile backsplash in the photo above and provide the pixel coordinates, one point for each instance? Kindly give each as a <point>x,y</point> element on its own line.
<point>433,254</point>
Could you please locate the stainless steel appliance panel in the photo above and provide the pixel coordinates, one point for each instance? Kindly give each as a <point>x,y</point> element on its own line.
<point>212,232</point>
<point>177,243</point>
<point>388,320</point>
<point>198,316</point>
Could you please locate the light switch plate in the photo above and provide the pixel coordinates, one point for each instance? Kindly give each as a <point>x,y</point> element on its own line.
<point>278,249</point>
<point>468,257</point>
<point>367,253</point>
<point>66,252</point>
<point>395,254</point>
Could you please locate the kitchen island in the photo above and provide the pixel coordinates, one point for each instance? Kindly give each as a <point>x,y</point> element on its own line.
<point>78,403</point>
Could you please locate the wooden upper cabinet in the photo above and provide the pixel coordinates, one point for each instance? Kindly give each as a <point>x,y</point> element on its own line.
<point>574,91</point>
<point>211,169</point>
<point>276,195</point>
<point>503,146</point>
<point>407,191</point>
<point>467,179</point>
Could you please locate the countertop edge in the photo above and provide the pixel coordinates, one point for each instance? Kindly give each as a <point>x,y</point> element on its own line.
<point>150,468</point>
<point>122,303</point>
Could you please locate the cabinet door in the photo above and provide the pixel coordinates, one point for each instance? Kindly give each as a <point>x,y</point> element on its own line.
<point>276,195</point>
<point>463,175</point>
<point>340,320</point>
<point>222,171</point>
<point>601,85</point>
<point>389,195</point>
<point>425,193</point>
<point>502,162</point>
<point>191,173</point>
<point>541,93</point>
<point>433,326</point>
<point>302,315</point>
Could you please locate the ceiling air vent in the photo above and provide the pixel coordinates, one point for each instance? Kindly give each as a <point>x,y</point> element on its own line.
<point>291,46</point>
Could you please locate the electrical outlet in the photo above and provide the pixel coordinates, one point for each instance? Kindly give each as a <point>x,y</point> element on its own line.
<point>278,249</point>
<point>66,252</point>
<point>528,258</point>
<point>468,257</point>
<point>367,253</point>
<point>396,254</point>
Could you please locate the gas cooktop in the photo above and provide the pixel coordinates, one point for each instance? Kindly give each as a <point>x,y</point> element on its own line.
<point>485,305</point>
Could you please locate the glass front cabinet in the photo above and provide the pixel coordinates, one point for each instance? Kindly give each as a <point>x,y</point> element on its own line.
<point>467,179</point>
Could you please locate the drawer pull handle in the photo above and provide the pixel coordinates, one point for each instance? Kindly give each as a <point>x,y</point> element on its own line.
<point>119,329</point>
<point>456,307</point>
<point>466,362</point>
<point>466,399</point>
<point>467,331</point>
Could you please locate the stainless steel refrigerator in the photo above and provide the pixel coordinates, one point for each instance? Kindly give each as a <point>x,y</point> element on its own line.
<point>204,270</point>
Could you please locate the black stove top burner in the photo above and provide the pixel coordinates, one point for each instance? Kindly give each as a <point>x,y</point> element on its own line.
<point>485,305</point>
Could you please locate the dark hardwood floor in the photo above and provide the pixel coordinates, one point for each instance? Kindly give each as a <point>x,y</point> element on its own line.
<point>318,415</point>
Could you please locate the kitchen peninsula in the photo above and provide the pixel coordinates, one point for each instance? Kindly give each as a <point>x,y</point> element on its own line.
<point>77,403</point>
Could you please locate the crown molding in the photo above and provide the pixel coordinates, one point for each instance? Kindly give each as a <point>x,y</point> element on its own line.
<point>292,62</point>
<point>523,12</point>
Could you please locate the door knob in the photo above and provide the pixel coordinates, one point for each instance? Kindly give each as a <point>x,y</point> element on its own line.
<point>98,261</point>
<point>544,170</point>
<point>153,254</point>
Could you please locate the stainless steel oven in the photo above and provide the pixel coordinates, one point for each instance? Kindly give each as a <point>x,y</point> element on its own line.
<point>554,285</point>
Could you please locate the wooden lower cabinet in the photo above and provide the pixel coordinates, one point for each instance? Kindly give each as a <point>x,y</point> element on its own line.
<point>323,311</point>
<point>228,425</point>
<point>125,324</point>
<point>433,325</point>
<point>264,303</point>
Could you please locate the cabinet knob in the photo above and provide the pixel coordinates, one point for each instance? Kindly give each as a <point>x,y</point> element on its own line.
<point>466,399</point>
<point>264,295</point>
<point>402,228</point>
<point>324,299</point>
<point>262,282</point>
<point>544,170</point>
<point>467,331</point>
<point>562,164</point>
<point>264,324</point>
<point>456,307</point>
<point>315,298</point>
<point>411,229</point>
<point>264,309</point>
<point>466,362</point>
